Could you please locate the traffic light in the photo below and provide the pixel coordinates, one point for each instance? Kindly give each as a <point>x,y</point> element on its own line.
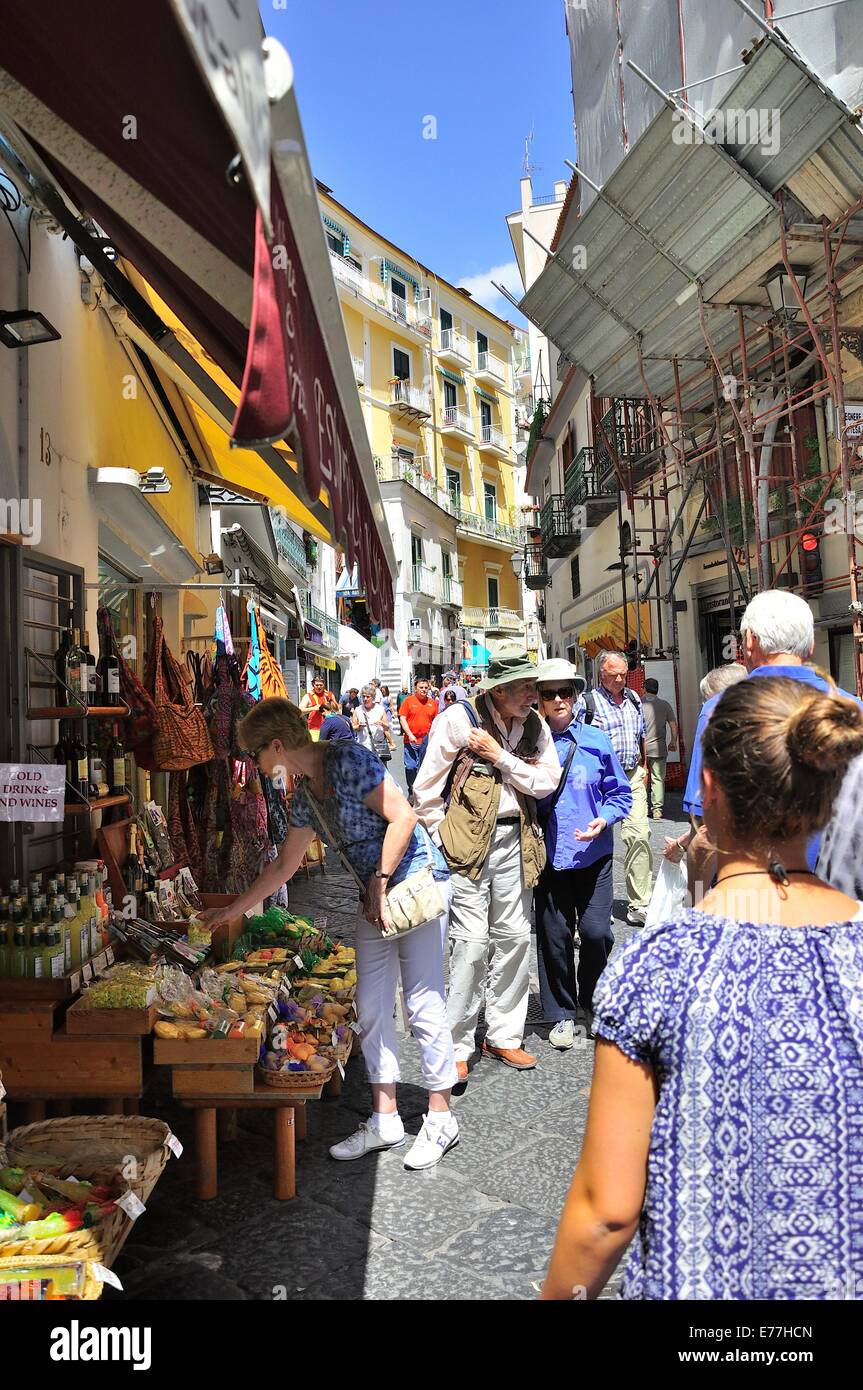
<point>811,571</point>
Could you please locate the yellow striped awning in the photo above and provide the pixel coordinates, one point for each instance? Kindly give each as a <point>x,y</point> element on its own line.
<point>607,631</point>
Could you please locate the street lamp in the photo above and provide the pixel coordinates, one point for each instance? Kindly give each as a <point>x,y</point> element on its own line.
<point>780,290</point>
<point>517,559</point>
<point>25,328</point>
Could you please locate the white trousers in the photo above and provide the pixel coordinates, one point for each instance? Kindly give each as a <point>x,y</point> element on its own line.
<point>419,958</point>
<point>490,948</point>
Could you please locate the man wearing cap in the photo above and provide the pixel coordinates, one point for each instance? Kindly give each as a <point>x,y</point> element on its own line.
<point>488,761</point>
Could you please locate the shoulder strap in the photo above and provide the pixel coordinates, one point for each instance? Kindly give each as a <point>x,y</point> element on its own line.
<point>327,833</point>
<point>589,706</point>
<point>558,793</point>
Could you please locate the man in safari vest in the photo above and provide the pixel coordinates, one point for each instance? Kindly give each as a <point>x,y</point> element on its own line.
<point>488,761</point>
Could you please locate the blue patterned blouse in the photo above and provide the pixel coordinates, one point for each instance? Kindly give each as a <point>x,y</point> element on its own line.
<point>755,1171</point>
<point>350,773</point>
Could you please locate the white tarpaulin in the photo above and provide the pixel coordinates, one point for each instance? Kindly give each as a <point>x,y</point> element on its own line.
<point>32,791</point>
<point>679,42</point>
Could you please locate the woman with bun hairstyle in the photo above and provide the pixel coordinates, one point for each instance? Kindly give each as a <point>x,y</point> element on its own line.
<point>725,1132</point>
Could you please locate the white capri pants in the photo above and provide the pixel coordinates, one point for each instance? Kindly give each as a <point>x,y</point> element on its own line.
<point>419,957</point>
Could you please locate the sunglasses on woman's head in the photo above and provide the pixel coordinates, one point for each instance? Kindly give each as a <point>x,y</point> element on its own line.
<point>566,692</point>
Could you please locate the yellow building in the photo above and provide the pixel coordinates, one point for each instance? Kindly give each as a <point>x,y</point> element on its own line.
<point>435,377</point>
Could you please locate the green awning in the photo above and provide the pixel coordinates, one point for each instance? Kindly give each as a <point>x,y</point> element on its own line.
<point>339,231</point>
<point>486,397</point>
<point>451,376</point>
<point>390,267</point>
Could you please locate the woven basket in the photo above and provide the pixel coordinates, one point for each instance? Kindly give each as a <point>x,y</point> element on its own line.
<point>91,1287</point>
<point>294,1080</point>
<point>95,1148</point>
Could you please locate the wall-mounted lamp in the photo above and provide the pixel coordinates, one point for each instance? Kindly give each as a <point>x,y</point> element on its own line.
<point>20,328</point>
<point>780,290</point>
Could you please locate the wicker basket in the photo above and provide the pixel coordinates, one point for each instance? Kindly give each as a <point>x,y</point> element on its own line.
<point>91,1287</point>
<point>294,1080</point>
<point>99,1242</point>
<point>95,1148</point>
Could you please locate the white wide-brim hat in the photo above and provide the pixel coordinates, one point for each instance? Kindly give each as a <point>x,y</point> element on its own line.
<point>559,670</point>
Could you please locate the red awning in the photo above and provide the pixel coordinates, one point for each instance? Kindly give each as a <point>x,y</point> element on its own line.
<point>115,108</point>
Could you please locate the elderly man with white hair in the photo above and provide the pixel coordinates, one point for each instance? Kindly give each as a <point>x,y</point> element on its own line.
<point>777,638</point>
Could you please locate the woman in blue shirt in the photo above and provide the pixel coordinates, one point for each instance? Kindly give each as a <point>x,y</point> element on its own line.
<point>384,843</point>
<point>576,889</point>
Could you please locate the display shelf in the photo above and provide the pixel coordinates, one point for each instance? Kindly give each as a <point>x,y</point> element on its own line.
<point>79,712</point>
<point>80,808</point>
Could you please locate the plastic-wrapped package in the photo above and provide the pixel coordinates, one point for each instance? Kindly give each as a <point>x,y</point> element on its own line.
<point>122,987</point>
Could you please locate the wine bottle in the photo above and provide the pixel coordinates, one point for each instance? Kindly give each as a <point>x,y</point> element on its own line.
<point>117,763</point>
<point>60,665</point>
<point>91,679</point>
<point>80,766</point>
<point>96,767</point>
<point>109,676</point>
<point>130,870</point>
<point>76,671</point>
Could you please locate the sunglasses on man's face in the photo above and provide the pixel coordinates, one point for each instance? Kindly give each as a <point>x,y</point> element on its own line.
<point>565,692</point>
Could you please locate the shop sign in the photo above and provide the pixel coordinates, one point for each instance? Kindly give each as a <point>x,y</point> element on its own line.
<point>854,419</point>
<point>325,662</point>
<point>289,393</point>
<point>225,38</point>
<point>32,791</point>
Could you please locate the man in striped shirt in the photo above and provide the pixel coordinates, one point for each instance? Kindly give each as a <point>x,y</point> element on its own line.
<point>617,710</point>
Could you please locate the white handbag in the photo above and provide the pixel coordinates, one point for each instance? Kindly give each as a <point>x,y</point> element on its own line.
<point>413,903</point>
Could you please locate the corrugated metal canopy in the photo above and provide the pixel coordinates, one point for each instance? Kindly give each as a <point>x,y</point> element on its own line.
<point>699,208</point>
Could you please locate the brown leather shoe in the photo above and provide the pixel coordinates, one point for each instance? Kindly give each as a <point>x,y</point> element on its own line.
<point>513,1056</point>
<point>461,1069</point>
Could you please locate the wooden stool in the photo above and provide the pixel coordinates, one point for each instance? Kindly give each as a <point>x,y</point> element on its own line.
<point>289,1119</point>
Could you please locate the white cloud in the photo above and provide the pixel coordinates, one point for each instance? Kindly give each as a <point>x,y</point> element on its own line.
<point>484,293</point>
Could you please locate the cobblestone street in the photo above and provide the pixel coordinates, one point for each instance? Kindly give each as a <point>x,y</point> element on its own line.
<point>479,1226</point>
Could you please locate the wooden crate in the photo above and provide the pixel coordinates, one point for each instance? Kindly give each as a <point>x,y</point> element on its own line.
<point>65,1065</point>
<point>117,1023</point>
<point>179,1052</point>
<point>30,1020</point>
<point>213,1081</point>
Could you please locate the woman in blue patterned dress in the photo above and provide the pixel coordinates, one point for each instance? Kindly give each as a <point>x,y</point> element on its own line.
<point>725,1131</point>
<point>385,843</point>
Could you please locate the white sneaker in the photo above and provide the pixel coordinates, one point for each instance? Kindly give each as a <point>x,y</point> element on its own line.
<point>562,1035</point>
<point>432,1142</point>
<point>636,916</point>
<point>366,1140</point>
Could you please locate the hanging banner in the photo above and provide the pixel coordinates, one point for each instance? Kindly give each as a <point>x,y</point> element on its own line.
<point>289,393</point>
<point>226,39</point>
<point>32,791</point>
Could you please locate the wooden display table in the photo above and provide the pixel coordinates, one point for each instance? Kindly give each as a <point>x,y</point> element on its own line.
<point>288,1107</point>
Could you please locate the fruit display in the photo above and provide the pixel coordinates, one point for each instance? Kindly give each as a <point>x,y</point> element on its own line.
<point>39,1205</point>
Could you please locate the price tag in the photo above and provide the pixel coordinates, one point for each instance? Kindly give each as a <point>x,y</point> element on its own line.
<point>100,965</point>
<point>272,1012</point>
<point>25,1196</point>
<point>109,955</point>
<point>334,1039</point>
<point>2,1089</point>
<point>285,987</point>
<point>298,962</point>
<point>174,1145</point>
<point>75,983</point>
<point>341,1071</point>
<point>131,1205</point>
<point>72,1178</point>
<point>87,973</point>
<point>355,1028</point>
<point>106,1276</point>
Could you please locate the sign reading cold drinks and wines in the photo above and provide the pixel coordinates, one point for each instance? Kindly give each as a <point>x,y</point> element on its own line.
<point>32,791</point>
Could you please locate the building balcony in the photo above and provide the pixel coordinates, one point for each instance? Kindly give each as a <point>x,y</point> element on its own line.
<point>454,347</point>
<point>457,422</point>
<point>489,528</point>
<point>423,587</point>
<point>493,441</point>
<point>628,430</point>
<point>359,369</point>
<point>535,573</point>
<point>409,400</point>
<point>559,524</point>
<point>452,592</point>
<point>413,316</point>
<point>417,473</point>
<point>326,623</point>
<point>493,619</point>
<point>491,369</point>
<point>588,486</point>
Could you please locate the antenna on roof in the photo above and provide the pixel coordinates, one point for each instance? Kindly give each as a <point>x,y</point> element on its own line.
<point>526,167</point>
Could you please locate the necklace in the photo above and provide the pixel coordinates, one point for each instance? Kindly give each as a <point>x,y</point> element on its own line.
<point>758,873</point>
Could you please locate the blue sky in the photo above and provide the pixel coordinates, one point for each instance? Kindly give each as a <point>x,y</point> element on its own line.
<point>369,73</point>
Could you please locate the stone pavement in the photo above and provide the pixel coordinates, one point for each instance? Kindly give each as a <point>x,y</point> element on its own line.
<point>479,1226</point>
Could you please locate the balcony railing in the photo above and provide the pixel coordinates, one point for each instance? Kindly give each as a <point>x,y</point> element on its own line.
<point>585,485</point>
<point>359,368</point>
<point>414,314</point>
<point>487,365</point>
<point>423,581</point>
<point>456,419</point>
<point>492,527</point>
<point>535,572</point>
<point>452,592</point>
<point>560,525</point>
<point>289,545</point>
<point>494,439</point>
<point>501,619</point>
<point>455,344</point>
<point>324,622</point>
<point>410,398</point>
<point>417,473</point>
<point>628,428</point>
